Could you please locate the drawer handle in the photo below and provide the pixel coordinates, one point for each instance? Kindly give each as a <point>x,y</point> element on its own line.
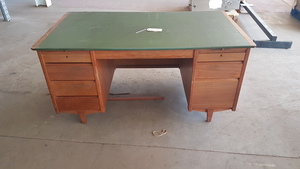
<point>67,57</point>
<point>221,55</point>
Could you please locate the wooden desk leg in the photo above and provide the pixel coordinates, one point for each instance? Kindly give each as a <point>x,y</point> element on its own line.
<point>82,116</point>
<point>210,113</point>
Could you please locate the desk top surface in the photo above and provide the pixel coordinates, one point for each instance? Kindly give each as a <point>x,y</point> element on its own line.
<point>126,31</point>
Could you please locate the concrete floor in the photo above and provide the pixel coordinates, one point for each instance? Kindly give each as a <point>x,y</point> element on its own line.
<point>263,133</point>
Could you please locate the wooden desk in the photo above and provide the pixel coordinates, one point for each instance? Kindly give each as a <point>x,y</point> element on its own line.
<point>80,53</point>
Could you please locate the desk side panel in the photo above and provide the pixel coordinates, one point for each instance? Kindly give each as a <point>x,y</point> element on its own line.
<point>48,81</point>
<point>104,70</point>
<point>241,79</point>
<point>186,70</point>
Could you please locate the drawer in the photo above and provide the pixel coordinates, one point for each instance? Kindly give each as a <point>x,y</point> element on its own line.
<point>220,57</point>
<point>219,69</point>
<point>74,88</point>
<point>66,56</point>
<point>229,50</point>
<point>70,71</point>
<point>214,93</point>
<point>77,103</point>
<point>143,54</point>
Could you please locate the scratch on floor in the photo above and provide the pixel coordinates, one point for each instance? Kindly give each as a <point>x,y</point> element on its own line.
<point>148,146</point>
<point>96,157</point>
<point>262,164</point>
<point>286,3</point>
<point>13,85</point>
<point>15,92</point>
<point>223,128</point>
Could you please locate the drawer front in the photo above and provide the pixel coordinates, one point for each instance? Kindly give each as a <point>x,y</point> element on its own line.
<point>214,93</point>
<point>219,70</point>
<point>229,50</point>
<point>66,56</point>
<point>221,57</point>
<point>144,54</point>
<point>70,71</point>
<point>74,88</point>
<point>77,103</point>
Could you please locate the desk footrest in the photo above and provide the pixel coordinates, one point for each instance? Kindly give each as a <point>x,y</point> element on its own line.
<point>128,97</point>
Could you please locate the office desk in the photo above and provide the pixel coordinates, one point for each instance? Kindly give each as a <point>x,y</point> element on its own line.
<point>80,53</point>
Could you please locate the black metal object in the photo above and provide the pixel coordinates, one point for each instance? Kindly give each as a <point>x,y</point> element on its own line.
<point>272,43</point>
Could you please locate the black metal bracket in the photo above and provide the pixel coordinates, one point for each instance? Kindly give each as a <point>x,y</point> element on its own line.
<point>272,43</point>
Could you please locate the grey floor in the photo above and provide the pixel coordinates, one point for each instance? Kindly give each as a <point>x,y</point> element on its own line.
<point>263,133</point>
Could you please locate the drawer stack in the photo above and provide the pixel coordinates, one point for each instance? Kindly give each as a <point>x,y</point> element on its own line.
<point>71,80</point>
<point>217,79</point>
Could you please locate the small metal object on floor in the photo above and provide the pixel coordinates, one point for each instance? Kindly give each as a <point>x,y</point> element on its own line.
<point>159,133</point>
<point>4,11</point>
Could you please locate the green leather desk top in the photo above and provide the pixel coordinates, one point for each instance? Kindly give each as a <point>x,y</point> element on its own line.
<point>124,31</point>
